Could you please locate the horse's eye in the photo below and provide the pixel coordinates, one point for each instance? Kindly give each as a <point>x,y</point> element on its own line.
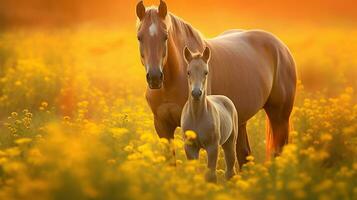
<point>139,38</point>
<point>166,37</point>
<point>188,73</point>
<point>206,72</point>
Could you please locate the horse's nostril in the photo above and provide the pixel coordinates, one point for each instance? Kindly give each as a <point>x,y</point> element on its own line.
<point>196,93</point>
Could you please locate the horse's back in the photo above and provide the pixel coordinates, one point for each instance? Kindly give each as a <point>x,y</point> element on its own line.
<point>231,31</point>
<point>243,66</point>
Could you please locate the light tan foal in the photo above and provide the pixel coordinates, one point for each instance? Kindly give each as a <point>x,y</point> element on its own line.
<point>213,118</point>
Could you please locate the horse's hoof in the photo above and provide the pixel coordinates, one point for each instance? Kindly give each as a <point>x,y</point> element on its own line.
<point>211,177</point>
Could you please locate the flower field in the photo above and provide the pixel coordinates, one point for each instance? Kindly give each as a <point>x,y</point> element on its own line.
<point>75,123</point>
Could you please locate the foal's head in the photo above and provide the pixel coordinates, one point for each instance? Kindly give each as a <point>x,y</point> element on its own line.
<point>197,71</point>
<point>153,35</point>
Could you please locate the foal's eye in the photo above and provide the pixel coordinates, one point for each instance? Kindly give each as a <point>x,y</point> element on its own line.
<point>188,73</point>
<point>139,38</point>
<point>206,73</point>
<point>166,37</point>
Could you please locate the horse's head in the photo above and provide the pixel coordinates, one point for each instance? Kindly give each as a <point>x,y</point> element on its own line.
<point>197,71</point>
<point>153,35</point>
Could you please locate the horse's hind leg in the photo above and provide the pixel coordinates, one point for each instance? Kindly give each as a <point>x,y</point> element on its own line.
<point>280,102</point>
<point>280,132</point>
<point>229,149</point>
<point>278,111</point>
<point>242,145</point>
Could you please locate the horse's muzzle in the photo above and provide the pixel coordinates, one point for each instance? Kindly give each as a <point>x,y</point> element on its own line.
<point>155,79</point>
<point>196,94</point>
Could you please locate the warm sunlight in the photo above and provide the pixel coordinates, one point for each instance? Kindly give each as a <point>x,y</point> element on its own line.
<point>76,124</point>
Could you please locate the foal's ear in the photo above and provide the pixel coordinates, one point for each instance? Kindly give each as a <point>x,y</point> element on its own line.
<point>140,10</point>
<point>162,9</point>
<point>206,55</point>
<point>187,54</point>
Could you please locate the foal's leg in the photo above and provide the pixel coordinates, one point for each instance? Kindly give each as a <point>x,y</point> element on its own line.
<point>192,151</point>
<point>242,146</point>
<point>212,155</point>
<point>229,149</point>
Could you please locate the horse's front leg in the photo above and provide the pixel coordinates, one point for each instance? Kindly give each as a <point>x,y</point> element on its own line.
<point>166,130</point>
<point>212,156</point>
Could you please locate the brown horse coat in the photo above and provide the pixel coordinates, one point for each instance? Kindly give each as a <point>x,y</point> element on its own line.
<point>253,68</point>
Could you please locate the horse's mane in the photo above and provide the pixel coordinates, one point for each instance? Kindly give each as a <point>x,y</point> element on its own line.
<point>182,31</point>
<point>189,36</point>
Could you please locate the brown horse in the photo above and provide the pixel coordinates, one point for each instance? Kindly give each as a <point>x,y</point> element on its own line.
<point>253,68</point>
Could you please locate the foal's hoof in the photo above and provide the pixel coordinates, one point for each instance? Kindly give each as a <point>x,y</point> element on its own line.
<point>211,177</point>
<point>230,174</point>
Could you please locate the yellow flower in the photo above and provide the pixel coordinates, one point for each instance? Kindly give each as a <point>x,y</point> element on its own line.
<point>118,132</point>
<point>326,137</point>
<point>128,148</point>
<point>14,114</point>
<point>243,185</point>
<point>250,158</point>
<point>12,152</point>
<point>44,104</point>
<point>190,135</point>
<point>22,141</point>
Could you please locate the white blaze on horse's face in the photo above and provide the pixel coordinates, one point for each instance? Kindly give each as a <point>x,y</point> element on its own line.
<point>153,36</point>
<point>153,30</point>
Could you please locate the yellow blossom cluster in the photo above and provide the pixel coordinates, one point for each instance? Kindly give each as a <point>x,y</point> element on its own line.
<point>76,126</point>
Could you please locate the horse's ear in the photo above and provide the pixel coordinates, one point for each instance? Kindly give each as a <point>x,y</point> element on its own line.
<point>206,55</point>
<point>162,9</point>
<point>187,54</point>
<point>140,10</point>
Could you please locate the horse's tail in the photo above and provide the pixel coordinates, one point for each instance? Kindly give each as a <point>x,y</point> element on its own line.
<point>269,139</point>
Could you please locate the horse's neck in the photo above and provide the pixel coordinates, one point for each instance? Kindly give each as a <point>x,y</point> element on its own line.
<point>180,35</point>
<point>174,69</point>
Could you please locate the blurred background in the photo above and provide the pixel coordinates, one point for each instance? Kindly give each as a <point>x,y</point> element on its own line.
<point>121,12</point>
<point>97,38</point>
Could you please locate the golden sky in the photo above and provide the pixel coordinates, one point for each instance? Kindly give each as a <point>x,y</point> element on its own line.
<point>32,12</point>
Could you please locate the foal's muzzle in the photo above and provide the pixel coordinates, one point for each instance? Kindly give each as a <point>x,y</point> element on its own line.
<point>154,79</point>
<point>196,94</point>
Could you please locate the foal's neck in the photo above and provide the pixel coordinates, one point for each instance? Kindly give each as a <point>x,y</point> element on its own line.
<point>198,107</point>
